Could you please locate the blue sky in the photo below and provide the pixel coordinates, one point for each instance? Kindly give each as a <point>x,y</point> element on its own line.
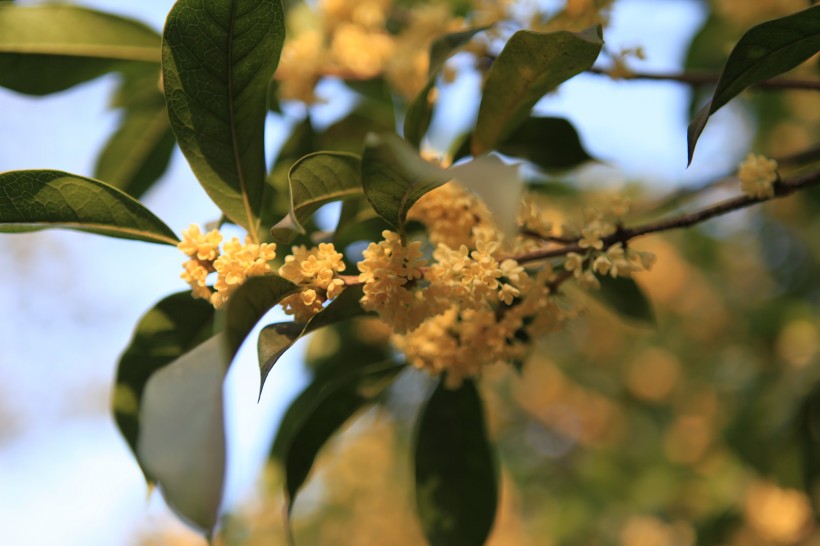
<point>72,299</point>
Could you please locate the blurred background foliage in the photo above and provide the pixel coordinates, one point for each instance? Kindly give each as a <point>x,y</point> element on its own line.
<point>704,429</point>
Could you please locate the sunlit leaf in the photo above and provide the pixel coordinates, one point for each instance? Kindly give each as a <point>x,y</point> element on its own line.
<point>54,199</point>
<point>625,297</point>
<point>249,303</point>
<point>456,484</point>
<point>218,58</point>
<point>277,338</point>
<point>498,185</point>
<point>765,51</point>
<point>395,177</point>
<point>182,436</point>
<point>326,410</point>
<point>420,110</point>
<point>171,328</point>
<point>51,47</point>
<point>530,65</point>
<point>315,180</point>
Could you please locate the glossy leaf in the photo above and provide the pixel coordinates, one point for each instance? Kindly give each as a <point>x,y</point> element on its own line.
<point>182,435</point>
<point>420,110</point>
<point>498,185</point>
<point>51,47</point>
<point>395,177</point>
<point>54,199</point>
<point>530,65</point>
<point>218,59</point>
<point>334,402</point>
<point>625,297</point>
<point>315,180</point>
<point>456,484</point>
<point>765,51</point>
<point>171,328</point>
<point>277,338</point>
<point>249,303</point>
<point>137,154</point>
<point>549,143</point>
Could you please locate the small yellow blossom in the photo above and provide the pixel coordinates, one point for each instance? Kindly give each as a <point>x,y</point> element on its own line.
<point>757,175</point>
<point>314,269</point>
<point>451,215</point>
<point>202,246</point>
<point>238,262</point>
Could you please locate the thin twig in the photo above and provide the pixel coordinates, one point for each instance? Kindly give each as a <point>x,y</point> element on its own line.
<point>709,78</point>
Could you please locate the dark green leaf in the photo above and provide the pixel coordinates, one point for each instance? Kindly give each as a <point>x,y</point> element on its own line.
<point>348,134</point>
<point>530,65</point>
<point>249,303</point>
<point>550,143</point>
<point>456,485</point>
<point>315,180</point>
<point>395,177</point>
<point>182,435</point>
<point>624,296</point>
<point>333,403</point>
<point>218,58</point>
<point>420,111</point>
<point>54,199</point>
<point>48,48</point>
<point>277,338</point>
<point>765,51</point>
<point>171,328</point>
<point>139,152</point>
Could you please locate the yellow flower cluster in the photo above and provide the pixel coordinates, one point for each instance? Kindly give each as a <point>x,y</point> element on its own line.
<point>757,175</point>
<point>315,271</point>
<point>451,214</point>
<point>233,265</point>
<point>389,271</point>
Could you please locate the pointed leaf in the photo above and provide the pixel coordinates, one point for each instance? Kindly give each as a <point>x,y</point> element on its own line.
<point>765,51</point>
<point>249,303</point>
<point>328,407</point>
<point>550,143</point>
<point>171,328</point>
<point>218,58</point>
<point>137,154</point>
<point>456,486</point>
<point>625,297</point>
<point>530,65</point>
<point>497,184</point>
<point>182,439</point>
<point>277,338</point>
<point>315,180</point>
<point>54,199</point>
<point>420,111</point>
<point>48,48</point>
<point>395,177</point>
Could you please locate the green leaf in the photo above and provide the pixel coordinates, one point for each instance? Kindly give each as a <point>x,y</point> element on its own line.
<point>765,51</point>
<point>249,303</point>
<point>48,48</point>
<point>420,111</point>
<point>394,177</point>
<point>137,154</point>
<point>218,58</point>
<point>171,328</point>
<point>549,143</point>
<point>625,297</point>
<point>326,408</point>
<point>182,437</point>
<point>456,485</point>
<point>54,199</point>
<point>530,65</point>
<point>315,180</point>
<point>277,338</point>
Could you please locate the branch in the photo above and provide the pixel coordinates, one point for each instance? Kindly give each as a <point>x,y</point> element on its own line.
<point>708,78</point>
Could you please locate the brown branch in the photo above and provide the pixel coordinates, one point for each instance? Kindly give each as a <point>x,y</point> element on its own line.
<point>708,78</point>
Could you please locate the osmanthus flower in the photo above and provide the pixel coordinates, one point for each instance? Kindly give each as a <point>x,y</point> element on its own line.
<point>451,215</point>
<point>238,262</point>
<point>757,175</point>
<point>315,270</point>
<point>202,249</point>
